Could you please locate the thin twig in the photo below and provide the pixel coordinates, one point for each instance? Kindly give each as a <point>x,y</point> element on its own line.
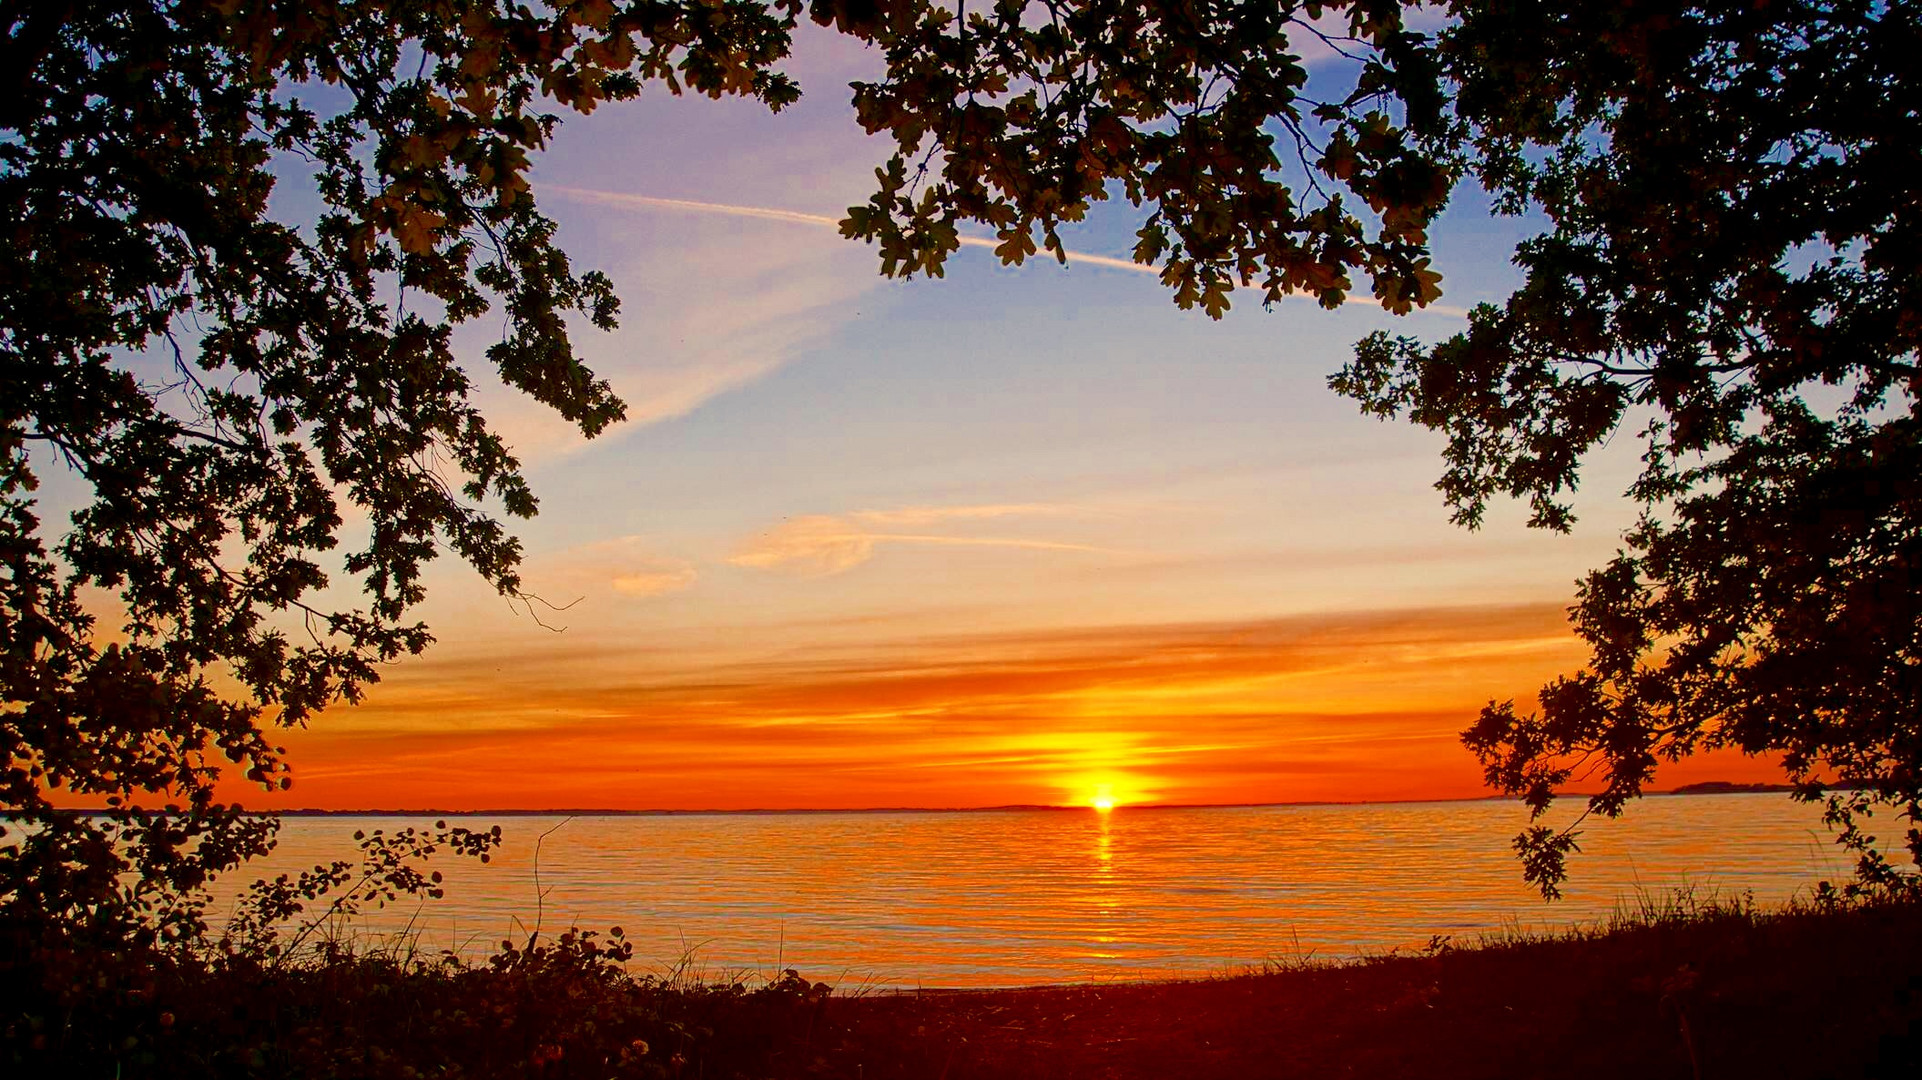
<point>540,895</point>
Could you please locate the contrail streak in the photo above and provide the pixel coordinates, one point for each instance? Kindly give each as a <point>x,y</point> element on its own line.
<point>796,217</point>
<point>766,213</point>
<point>649,202</point>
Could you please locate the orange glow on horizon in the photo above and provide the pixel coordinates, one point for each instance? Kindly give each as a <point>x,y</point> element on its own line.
<point>1342,708</point>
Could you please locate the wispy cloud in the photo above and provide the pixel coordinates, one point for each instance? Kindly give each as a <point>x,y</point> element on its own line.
<point>653,582</point>
<point>817,545</point>
<point>651,202</point>
<point>930,515</point>
<point>623,564</point>
<point>707,308</point>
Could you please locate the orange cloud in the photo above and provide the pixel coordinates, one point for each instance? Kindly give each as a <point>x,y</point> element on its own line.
<point>1342,707</point>
<point>624,564</point>
<point>652,582</point>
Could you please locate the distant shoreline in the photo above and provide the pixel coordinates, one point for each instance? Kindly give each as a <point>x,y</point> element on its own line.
<point>1725,787</point>
<point>1708,787</point>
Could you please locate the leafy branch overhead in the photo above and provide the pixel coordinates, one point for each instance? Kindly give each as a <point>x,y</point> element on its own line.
<point>220,379</point>
<point>1730,264</point>
<point>1021,116</point>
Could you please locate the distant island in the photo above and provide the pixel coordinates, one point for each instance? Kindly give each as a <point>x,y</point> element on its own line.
<point>1727,787</point>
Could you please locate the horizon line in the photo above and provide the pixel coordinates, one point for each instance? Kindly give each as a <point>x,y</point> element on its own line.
<point>1706,787</point>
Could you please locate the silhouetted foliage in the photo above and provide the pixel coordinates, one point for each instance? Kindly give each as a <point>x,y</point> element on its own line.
<point>1022,115</point>
<point>221,380</point>
<point>389,868</point>
<point>1670,987</point>
<point>560,1007</point>
<point>1732,269</point>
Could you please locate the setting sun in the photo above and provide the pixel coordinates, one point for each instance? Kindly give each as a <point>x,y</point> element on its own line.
<point>1103,803</point>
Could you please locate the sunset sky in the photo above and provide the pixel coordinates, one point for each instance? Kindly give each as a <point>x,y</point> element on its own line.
<point>1016,536</point>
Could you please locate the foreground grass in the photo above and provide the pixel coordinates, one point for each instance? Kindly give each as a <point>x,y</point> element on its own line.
<point>1685,991</point>
<point>1692,992</point>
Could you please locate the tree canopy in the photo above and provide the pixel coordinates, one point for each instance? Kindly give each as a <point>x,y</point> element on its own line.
<point>1730,263</point>
<point>222,380</point>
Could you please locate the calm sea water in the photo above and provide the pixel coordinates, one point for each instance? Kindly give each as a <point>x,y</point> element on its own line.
<point>1000,898</point>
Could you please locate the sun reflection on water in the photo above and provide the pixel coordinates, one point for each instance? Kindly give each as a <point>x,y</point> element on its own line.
<point>1000,898</point>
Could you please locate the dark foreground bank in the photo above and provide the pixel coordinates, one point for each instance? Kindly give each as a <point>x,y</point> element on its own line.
<point>1704,992</point>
